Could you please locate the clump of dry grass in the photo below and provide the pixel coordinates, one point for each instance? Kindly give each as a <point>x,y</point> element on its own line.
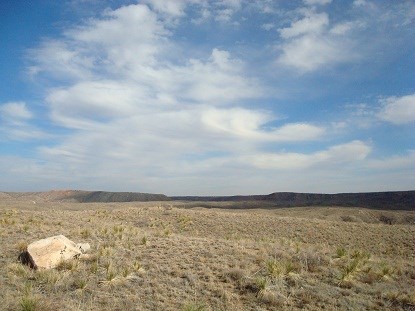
<point>193,306</point>
<point>21,246</point>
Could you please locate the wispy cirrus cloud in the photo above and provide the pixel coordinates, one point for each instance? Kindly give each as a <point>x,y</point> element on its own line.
<point>15,123</point>
<point>14,111</point>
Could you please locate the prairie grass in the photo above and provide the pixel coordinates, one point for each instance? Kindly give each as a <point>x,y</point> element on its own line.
<point>168,256</point>
<point>193,306</point>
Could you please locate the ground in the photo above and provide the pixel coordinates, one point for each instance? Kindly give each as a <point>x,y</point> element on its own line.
<point>178,256</point>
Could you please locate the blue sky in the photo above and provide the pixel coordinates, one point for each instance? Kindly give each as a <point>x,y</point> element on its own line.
<point>207,97</point>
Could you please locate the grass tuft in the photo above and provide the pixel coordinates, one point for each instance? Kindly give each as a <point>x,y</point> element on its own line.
<point>193,306</point>
<point>340,252</point>
<point>28,303</point>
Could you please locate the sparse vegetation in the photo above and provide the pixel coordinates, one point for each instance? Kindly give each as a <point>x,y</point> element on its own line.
<point>194,306</point>
<point>28,303</point>
<point>180,258</point>
<point>340,252</point>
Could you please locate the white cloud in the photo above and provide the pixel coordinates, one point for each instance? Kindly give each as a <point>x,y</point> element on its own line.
<point>218,80</point>
<point>312,24</point>
<point>311,52</point>
<point>205,14</point>
<point>398,110</point>
<point>92,100</point>
<point>236,4</point>
<point>61,60</point>
<point>311,42</point>
<point>130,46</point>
<point>15,110</point>
<point>250,124</point>
<point>128,36</point>
<point>268,26</point>
<point>22,133</point>
<point>317,2</point>
<point>173,8</point>
<point>225,9</point>
<point>14,125</point>
<point>343,28</point>
<point>360,3</point>
<point>298,132</point>
<point>394,162</point>
<point>339,154</point>
<point>142,106</point>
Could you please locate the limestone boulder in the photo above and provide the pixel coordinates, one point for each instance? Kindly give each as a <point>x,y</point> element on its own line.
<point>48,253</point>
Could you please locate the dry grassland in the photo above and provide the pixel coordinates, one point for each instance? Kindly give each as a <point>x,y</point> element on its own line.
<point>167,256</point>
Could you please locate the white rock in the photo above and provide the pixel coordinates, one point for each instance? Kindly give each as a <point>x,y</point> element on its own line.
<point>83,247</point>
<point>48,253</point>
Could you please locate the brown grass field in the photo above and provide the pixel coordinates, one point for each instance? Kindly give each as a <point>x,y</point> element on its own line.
<point>178,256</point>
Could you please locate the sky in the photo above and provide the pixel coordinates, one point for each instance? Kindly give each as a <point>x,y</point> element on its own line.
<point>207,97</point>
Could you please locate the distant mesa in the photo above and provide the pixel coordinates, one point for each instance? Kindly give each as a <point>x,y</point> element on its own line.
<point>392,200</point>
<point>398,200</point>
<point>80,196</point>
<point>103,196</point>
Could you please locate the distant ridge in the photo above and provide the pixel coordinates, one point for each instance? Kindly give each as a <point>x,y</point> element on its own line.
<point>83,196</point>
<point>404,200</point>
<point>104,196</point>
<point>392,200</point>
